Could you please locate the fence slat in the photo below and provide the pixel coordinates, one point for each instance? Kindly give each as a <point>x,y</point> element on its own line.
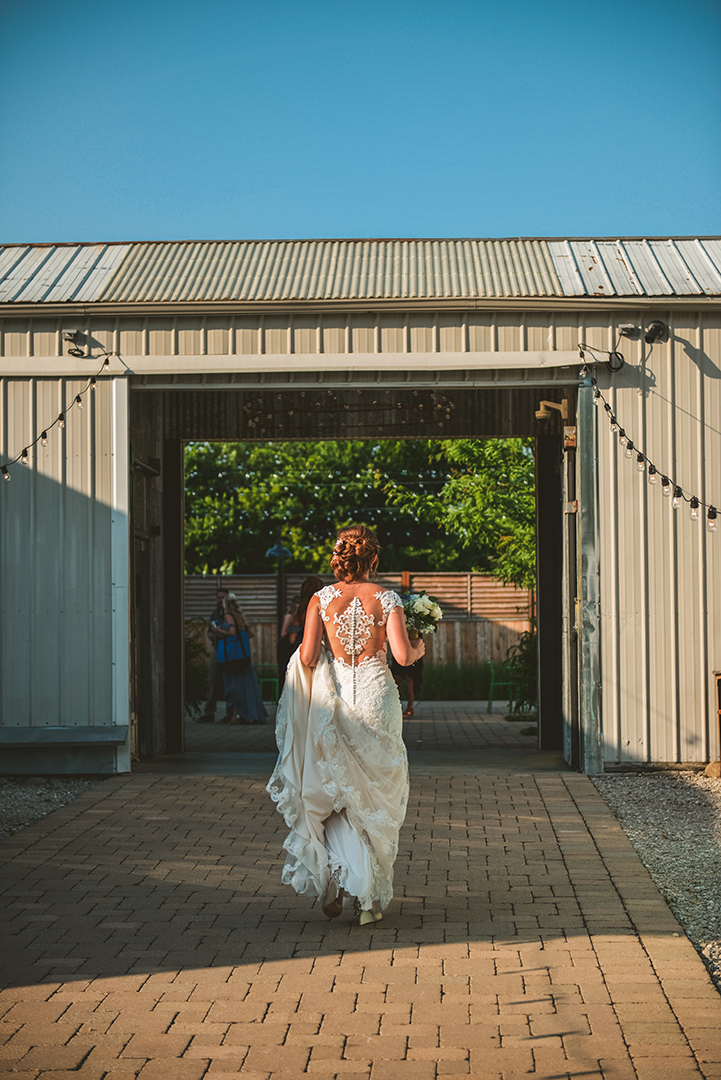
<point>482,617</point>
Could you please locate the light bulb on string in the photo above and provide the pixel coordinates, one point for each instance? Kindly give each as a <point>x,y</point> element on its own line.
<point>665,486</point>
<point>596,396</point>
<point>24,456</point>
<point>106,362</point>
<point>622,437</point>
<point>78,401</point>
<point>44,438</point>
<point>629,449</point>
<point>5,472</point>
<point>677,497</point>
<point>640,462</point>
<point>652,474</point>
<point>693,513</point>
<point>61,420</point>
<point>93,384</point>
<point>712,523</point>
<point>614,425</point>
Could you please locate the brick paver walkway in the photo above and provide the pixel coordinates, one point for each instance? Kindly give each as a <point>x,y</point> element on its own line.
<point>457,726</point>
<point>147,935</point>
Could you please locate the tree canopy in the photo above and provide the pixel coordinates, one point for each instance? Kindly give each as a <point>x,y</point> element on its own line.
<point>435,504</point>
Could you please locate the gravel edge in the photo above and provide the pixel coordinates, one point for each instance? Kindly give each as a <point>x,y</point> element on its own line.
<point>673,820</point>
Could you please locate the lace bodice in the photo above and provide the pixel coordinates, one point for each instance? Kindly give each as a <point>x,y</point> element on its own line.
<point>355,624</point>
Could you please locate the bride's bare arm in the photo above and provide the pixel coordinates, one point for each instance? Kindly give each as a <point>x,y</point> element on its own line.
<point>404,650</point>
<point>312,635</point>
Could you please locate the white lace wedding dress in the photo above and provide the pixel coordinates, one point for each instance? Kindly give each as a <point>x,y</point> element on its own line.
<point>341,780</point>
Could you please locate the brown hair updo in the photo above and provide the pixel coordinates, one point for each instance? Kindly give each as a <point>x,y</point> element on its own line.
<point>354,553</point>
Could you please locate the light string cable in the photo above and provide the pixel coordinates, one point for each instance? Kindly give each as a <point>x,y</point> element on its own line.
<point>669,486</point>
<point>59,421</point>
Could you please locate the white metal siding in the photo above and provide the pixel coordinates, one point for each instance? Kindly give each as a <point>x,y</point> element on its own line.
<point>661,572</point>
<point>56,646</point>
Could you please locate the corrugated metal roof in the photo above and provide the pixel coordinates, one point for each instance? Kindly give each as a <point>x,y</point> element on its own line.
<point>54,274</point>
<point>286,270</point>
<point>637,267</point>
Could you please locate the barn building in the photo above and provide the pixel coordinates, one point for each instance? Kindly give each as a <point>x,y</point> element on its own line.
<point>363,339</point>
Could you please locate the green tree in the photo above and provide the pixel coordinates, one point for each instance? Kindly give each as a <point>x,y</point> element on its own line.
<point>435,504</point>
<point>238,494</point>
<point>487,503</point>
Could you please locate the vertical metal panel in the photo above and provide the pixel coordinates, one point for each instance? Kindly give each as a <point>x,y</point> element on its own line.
<point>56,661</point>
<point>661,572</point>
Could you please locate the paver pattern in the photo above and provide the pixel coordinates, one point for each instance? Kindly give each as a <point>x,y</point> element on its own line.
<point>146,934</point>
<point>436,725</point>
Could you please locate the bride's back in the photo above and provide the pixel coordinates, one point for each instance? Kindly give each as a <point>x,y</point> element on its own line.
<point>354,614</point>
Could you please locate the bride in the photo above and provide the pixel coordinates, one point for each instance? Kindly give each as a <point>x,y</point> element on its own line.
<point>341,780</point>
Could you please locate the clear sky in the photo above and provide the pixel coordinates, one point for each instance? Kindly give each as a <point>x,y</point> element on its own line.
<point>229,119</point>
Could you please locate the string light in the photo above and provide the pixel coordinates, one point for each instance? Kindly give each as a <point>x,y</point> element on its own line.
<point>42,438</point>
<point>668,486</point>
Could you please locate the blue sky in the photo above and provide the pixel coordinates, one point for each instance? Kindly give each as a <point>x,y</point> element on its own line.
<point>230,120</point>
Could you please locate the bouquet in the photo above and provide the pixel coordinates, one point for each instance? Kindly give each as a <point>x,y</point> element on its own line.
<point>422,613</point>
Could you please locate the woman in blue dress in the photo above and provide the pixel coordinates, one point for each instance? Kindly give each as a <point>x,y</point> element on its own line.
<point>242,692</point>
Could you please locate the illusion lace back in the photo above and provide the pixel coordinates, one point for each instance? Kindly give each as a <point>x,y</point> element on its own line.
<point>341,780</point>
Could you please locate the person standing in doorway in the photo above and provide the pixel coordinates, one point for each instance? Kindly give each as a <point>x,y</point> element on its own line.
<point>216,686</point>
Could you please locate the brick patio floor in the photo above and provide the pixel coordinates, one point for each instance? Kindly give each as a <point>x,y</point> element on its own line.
<point>146,934</point>
<point>437,725</point>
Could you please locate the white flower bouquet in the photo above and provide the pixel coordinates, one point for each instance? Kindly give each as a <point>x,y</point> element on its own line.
<point>422,612</point>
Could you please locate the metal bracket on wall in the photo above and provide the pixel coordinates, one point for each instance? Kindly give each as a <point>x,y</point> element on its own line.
<point>571,507</point>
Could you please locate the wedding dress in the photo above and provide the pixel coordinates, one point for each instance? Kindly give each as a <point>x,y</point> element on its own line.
<point>341,780</point>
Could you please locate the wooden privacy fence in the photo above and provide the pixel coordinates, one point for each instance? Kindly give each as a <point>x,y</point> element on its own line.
<point>482,617</point>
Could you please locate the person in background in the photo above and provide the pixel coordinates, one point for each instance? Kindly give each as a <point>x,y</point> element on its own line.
<point>413,675</point>
<point>216,686</point>
<point>241,687</point>
<point>284,650</point>
<point>293,629</point>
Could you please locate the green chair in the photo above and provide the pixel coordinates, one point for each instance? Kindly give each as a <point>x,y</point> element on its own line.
<point>273,683</point>
<point>497,684</point>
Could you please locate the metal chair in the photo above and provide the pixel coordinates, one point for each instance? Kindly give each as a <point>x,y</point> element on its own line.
<point>497,684</point>
<point>273,688</point>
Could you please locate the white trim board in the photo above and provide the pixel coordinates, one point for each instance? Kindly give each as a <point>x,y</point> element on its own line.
<point>56,366</point>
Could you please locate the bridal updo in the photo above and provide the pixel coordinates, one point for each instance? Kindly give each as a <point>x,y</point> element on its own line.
<point>355,551</point>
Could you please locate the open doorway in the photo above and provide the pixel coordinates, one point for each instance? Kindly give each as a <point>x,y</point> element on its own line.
<point>164,422</point>
<point>456,521</point>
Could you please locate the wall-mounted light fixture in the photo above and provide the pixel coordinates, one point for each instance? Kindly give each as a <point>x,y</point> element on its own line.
<point>74,337</point>
<point>544,412</point>
<point>656,331</point>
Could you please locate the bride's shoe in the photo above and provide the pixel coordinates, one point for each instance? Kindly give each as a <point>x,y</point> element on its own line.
<point>333,900</point>
<point>370,916</point>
